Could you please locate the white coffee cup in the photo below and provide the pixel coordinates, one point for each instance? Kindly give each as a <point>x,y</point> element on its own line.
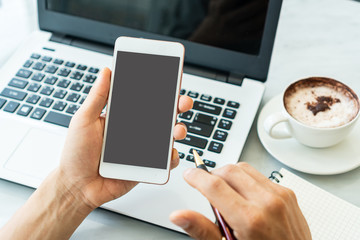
<point>317,137</point>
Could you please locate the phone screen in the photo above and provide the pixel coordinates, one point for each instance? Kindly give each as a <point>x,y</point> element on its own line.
<point>142,108</point>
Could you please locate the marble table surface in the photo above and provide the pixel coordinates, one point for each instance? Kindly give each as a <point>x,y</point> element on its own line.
<point>314,38</point>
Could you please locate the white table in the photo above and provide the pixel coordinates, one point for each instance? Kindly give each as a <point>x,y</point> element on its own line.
<point>314,38</point>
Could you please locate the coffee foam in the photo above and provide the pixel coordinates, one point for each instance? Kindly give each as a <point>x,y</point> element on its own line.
<point>343,107</point>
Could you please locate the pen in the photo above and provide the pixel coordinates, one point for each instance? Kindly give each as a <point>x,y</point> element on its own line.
<point>225,230</point>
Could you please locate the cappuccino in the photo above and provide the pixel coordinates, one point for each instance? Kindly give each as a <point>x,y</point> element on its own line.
<point>321,102</point>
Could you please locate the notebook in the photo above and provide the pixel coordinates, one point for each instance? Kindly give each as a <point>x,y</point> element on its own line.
<point>328,216</point>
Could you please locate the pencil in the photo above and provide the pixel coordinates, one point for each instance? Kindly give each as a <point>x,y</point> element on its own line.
<point>225,230</point>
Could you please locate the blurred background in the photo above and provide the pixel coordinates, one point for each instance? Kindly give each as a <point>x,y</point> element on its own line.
<point>18,18</point>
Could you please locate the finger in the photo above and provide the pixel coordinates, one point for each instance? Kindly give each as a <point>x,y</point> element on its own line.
<point>258,176</point>
<point>97,98</point>
<point>174,159</point>
<point>196,225</point>
<point>180,131</point>
<point>240,181</point>
<point>217,191</point>
<point>185,104</point>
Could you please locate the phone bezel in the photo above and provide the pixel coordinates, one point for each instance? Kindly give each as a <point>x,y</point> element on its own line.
<point>136,173</point>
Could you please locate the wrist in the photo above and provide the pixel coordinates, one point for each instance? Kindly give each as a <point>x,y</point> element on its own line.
<point>71,191</point>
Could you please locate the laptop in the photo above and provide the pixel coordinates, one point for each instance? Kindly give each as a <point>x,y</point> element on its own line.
<point>228,49</point>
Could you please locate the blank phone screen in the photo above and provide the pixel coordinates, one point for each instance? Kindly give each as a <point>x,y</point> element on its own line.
<point>142,108</point>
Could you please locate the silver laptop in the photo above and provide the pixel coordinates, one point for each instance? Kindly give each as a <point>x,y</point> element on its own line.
<point>228,48</point>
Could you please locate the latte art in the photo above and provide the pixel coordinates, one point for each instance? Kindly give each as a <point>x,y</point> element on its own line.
<point>320,103</point>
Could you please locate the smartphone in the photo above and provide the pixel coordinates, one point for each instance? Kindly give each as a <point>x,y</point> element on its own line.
<point>141,110</point>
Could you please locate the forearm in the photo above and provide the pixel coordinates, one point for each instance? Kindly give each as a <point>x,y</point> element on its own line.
<point>52,212</point>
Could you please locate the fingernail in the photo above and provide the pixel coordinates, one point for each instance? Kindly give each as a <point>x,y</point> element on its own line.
<point>181,222</point>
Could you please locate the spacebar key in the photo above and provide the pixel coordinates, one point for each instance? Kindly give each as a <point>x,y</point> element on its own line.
<point>58,119</point>
<point>194,141</point>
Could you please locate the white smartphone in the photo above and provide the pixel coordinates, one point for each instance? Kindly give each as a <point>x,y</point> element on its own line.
<point>141,110</point>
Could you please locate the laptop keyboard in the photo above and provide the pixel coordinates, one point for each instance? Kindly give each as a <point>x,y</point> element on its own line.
<point>48,89</point>
<point>52,90</point>
<point>208,124</point>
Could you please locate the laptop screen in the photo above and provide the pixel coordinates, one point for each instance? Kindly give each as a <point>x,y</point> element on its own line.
<point>235,25</point>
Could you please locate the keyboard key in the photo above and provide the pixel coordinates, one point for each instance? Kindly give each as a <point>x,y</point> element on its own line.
<point>81,67</point>
<point>206,119</point>
<point>82,100</point>
<point>69,64</point>
<point>206,97</point>
<point>190,158</point>
<point>186,115</point>
<point>229,113</point>
<point>24,110</point>
<point>225,124</point>
<point>198,151</point>
<point>89,78</point>
<point>59,105</point>
<point>77,86</point>
<point>18,83</point>
<point>233,104</point>
<point>64,72</point>
<point>193,94</point>
<point>58,61</point>
<point>215,147</point>
<point>194,141</point>
<point>209,163</point>
<point>76,75</point>
<point>2,102</point>
<point>47,90</point>
<point>24,73</point>
<point>64,83</point>
<point>11,106</point>
<point>58,119</point>
<point>38,113</point>
<point>51,69</point>
<point>87,89</point>
<point>28,63</point>
<point>34,87</point>
<point>220,135</point>
<point>205,107</point>
<point>33,99</point>
<point>72,108</point>
<point>60,93</point>
<point>51,80</point>
<point>219,101</point>
<point>181,155</point>
<point>39,66</point>
<point>182,92</point>
<point>93,70</point>
<point>73,97</point>
<point>46,58</point>
<point>14,94</point>
<point>46,102</point>
<point>199,128</point>
<point>38,77</point>
<point>35,56</point>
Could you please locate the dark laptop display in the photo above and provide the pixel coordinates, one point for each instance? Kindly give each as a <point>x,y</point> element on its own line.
<point>230,24</point>
<point>240,33</point>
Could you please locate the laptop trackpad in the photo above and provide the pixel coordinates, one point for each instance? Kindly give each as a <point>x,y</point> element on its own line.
<point>37,154</point>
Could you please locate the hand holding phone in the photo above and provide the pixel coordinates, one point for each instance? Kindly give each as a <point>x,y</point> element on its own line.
<point>141,110</point>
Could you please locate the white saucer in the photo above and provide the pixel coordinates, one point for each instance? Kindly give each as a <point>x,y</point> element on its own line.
<point>340,158</point>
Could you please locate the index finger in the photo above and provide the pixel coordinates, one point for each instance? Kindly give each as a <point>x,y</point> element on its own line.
<point>217,191</point>
<point>185,104</point>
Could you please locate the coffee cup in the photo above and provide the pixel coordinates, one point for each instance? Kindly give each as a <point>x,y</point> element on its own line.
<point>318,112</point>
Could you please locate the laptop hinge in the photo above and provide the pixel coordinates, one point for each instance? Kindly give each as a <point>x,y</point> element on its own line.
<point>82,43</point>
<point>235,78</point>
<point>221,76</point>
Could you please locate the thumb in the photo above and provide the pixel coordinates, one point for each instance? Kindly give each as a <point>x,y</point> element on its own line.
<point>196,225</point>
<point>97,98</point>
